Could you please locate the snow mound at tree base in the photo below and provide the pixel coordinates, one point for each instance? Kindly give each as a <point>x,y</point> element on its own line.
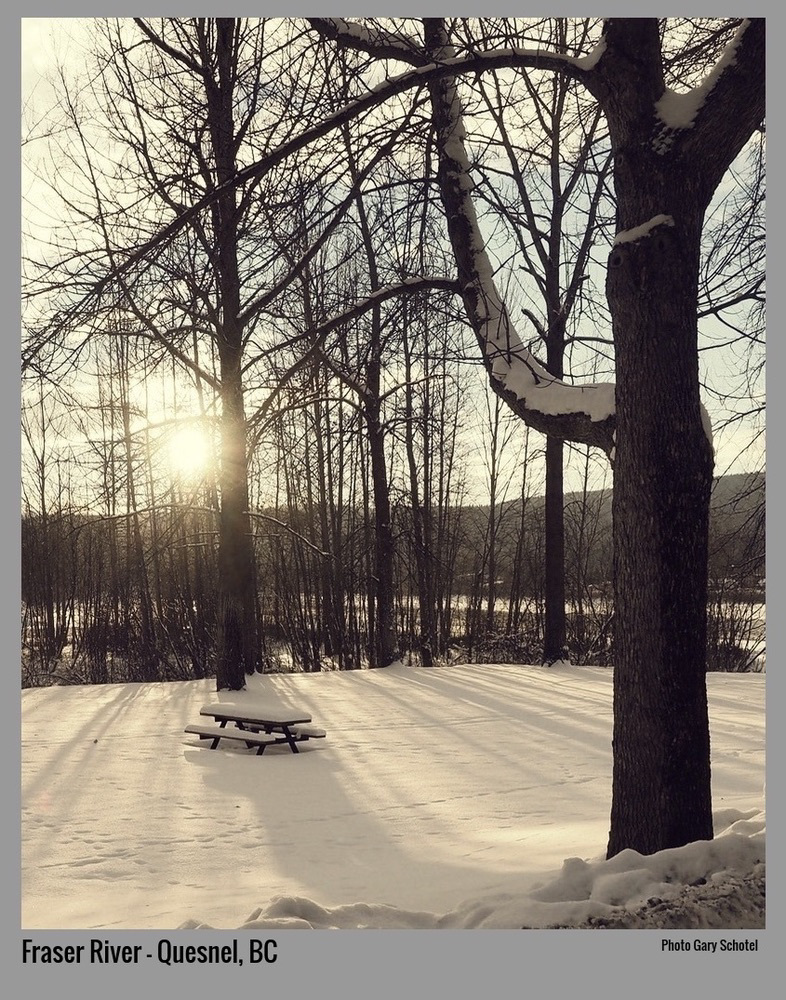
<point>737,902</point>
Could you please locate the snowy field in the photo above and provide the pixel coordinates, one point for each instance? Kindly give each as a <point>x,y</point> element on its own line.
<point>456,797</point>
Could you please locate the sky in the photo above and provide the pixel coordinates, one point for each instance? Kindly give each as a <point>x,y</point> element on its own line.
<point>465,796</point>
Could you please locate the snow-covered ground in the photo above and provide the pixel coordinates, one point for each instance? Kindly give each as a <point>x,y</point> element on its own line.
<point>457,797</point>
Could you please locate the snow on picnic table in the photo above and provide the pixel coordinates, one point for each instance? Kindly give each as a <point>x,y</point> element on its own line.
<point>460,796</point>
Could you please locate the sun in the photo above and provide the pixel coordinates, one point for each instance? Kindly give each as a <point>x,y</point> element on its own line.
<point>189,453</point>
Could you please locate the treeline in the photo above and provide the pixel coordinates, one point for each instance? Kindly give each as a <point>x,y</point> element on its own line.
<point>134,596</point>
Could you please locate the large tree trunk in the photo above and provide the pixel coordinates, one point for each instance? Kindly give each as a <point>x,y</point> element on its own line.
<point>236,571</point>
<point>663,466</point>
<point>662,481</point>
<point>662,478</point>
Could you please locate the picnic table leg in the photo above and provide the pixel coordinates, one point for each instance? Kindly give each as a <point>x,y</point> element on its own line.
<point>290,739</point>
<point>241,726</point>
<point>285,732</point>
<point>221,725</point>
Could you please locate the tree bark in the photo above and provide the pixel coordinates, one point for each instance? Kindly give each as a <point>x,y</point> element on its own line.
<point>236,571</point>
<point>662,481</point>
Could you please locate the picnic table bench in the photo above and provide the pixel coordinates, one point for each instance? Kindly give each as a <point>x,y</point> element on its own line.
<point>256,727</point>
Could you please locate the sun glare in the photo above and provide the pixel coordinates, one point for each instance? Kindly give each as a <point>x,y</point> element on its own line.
<point>189,452</point>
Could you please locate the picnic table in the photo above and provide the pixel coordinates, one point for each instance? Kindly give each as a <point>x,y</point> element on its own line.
<point>258,727</point>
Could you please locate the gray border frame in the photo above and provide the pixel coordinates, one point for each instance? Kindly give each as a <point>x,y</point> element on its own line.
<point>377,963</point>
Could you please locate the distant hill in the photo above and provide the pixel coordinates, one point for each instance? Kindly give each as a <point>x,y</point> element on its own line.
<point>731,495</point>
<point>737,515</point>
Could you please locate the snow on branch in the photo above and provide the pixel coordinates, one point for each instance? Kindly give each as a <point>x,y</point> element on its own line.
<point>678,111</point>
<point>386,44</point>
<point>581,413</point>
<point>374,40</point>
<point>639,232</point>
<point>590,61</point>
